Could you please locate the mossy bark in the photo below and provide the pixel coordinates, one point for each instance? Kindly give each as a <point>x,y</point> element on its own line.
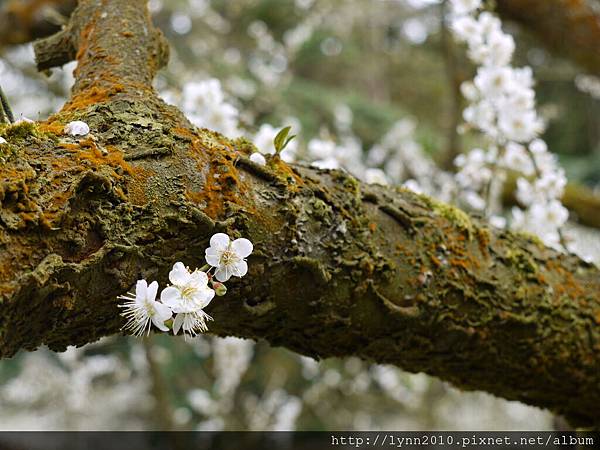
<point>339,268</point>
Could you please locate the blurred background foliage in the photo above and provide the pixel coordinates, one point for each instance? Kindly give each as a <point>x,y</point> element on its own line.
<point>316,63</point>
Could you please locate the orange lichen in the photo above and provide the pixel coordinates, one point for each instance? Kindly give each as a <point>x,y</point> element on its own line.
<point>51,126</point>
<point>483,239</point>
<point>136,185</point>
<point>435,260</point>
<point>92,96</point>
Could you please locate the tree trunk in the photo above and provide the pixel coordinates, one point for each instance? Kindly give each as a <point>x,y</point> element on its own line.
<point>339,268</point>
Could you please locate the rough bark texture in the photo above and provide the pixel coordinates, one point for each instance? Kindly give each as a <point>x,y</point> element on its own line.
<point>568,27</point>
<point>339,268</point>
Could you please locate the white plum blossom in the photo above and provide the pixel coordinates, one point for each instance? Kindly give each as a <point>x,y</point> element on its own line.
<point>2,141</point>
<point>227,257</point>
<point>554,214</point>
<point>516,158</point>
<point>474,172</point>
<point>521,127</point>
<point>258,158</point>
<point>77,128</point>
<point>142,310</point>
<point>191,322</point>
<point>189,291</point>
<point>467,28</point>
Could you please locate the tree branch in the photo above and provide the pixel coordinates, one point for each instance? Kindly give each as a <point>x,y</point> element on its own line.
<point>23,21</point>
<point>568,27</point>
<point>392,277</point>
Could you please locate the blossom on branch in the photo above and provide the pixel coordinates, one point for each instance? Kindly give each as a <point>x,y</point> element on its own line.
<point>228,258</point>
<point>142,310</point>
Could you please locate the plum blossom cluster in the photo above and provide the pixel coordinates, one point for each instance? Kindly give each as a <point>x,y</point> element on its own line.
<point>181,304</point>
<point>502,106</point>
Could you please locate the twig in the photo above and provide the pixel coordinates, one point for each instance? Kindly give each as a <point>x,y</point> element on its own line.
<point>6,114</point>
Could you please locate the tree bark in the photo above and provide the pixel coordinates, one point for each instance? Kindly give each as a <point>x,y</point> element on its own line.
<point>339,268</point>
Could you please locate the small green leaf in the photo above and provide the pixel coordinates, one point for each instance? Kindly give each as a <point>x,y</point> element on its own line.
<point>282,139</point>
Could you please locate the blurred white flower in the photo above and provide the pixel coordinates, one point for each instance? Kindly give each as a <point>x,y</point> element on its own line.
<point>464,6</point>
<point>498,222</point>
<point>205,105</point>
<point>516,158</point>
<point>375,176</point>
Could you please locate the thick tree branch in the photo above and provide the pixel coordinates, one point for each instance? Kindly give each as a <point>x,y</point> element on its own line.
<point>339,268</point>
<point>568,27</point>
<point>23,21</point>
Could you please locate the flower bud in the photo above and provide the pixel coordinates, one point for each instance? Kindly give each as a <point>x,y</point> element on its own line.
<point>220,289</point>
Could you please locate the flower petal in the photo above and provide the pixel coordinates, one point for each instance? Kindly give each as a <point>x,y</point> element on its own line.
<point>240,268</point>
<point>178,322</point>
<point>152,290</point>
<point>222,274</point>
<point>171,296</point>
<point>179,275</point>
<point>212,257</point>
<point>141,288</point>
<point>199,279</point>
<point>203,297</point>
<point>219,241</point>
<point>159,324</point>
<point>163,312</point>
<point>242,247</point>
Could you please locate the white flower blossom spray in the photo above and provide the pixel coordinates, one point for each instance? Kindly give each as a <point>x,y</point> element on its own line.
<point>189,293</point>
<point>502,106</point>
